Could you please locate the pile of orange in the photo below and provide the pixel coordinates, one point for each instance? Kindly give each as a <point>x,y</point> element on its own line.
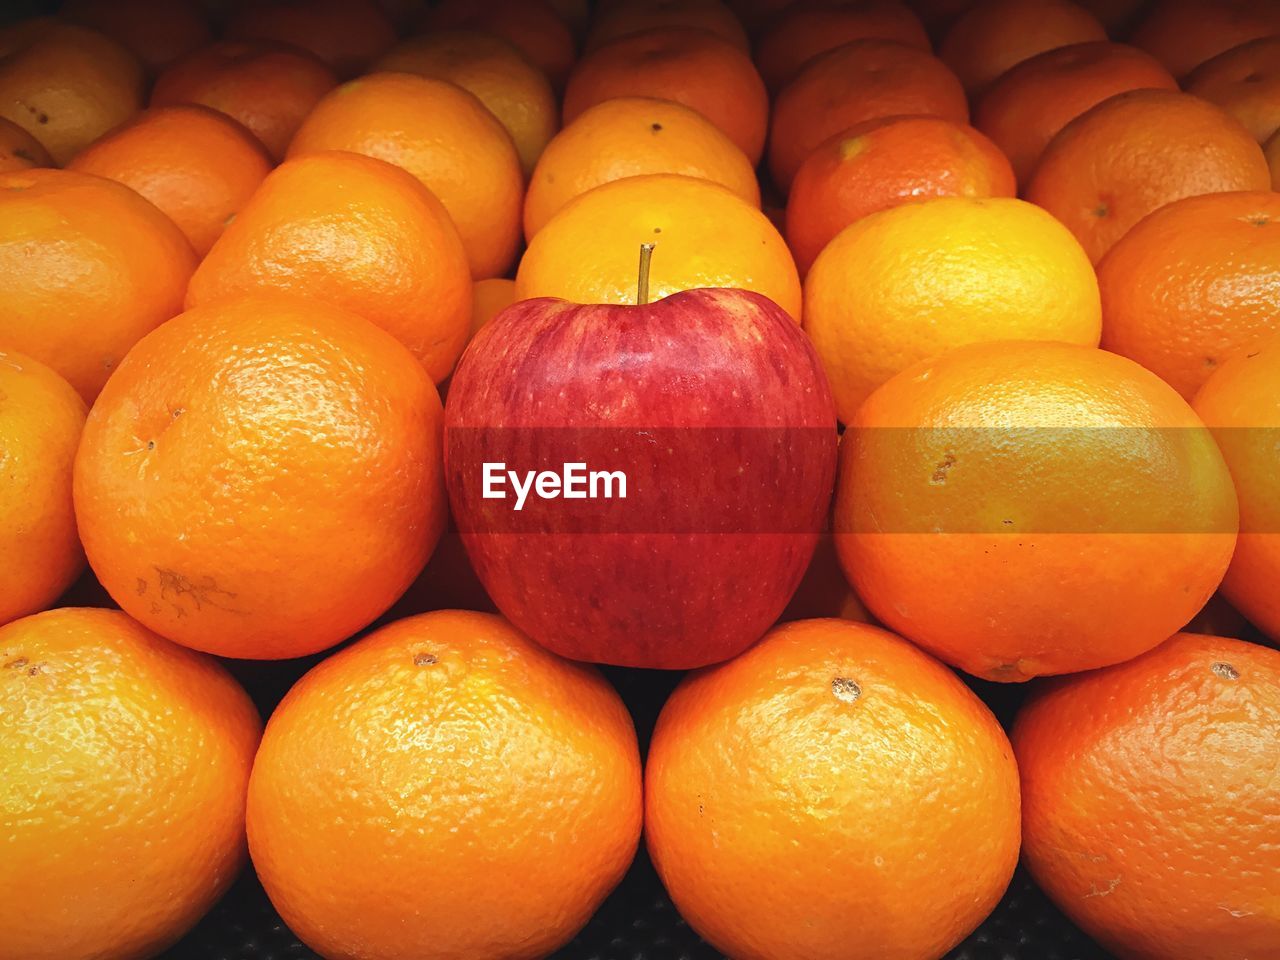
<point>1034,244</point>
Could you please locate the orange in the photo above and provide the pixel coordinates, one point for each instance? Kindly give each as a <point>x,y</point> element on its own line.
<point>1135,152</point>
<point>1024,109</point>
<point>41,417</point>
<point>157,33</point>
<point>197,165</point>
<point>1244,81</point>
<point>446,138</point>
<point>995,35</point>
<point>99,265</point>
<point>834,794</point>
<point>488,299</point>
<point>261,477</point>
<point>805,29</point>
<point>851,84</point>
<point>1021,509</point>
<point>1150,813</point>
<point>1182,34</point>
<point>348,35</point>
<point>916,281</point>
<point>883,163</point>
<point>514,90</point>
<point>628,137</point>
<point>266,86</point>
<point>64,84</point>
<point>694,67</point>
<point>126,762</point>
<point>480,775</point>
<point>532,26</point>
<point>1272,152</point>
<point>1192,284</point>
<point>1241,404</point>
<point>357,233</point>
<point>705,236</point>
<point>19,150</point>
<point>621,18</point>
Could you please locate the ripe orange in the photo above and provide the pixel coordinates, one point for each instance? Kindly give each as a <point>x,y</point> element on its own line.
<point>1135,152</point>
<point>266,86</point>
<point>99,265</point>
<point>694,67</point>
<point>64,84</point>
<point>883,163</point>
<point>533,26</point>
<point>1023,110</point>
<point>445,137</point>
<point>196,165</point>
<point>1244,81</point>
<point>705,236</point>
<point>481,775</point>
<point>994,35</point>
<point>1241,404</point>
<point>1192,284</point>
<point>1182,34</point>
<point>859,81</point>
<point>157,33</point>
<point>627,137</point>
<point>514,90</point>
<point>1150,812</point>
<point>41,417</point>
<point>488,299</point>
<point>357,233</point>
<point>914,282</point>
<point>126,762</point>
<point>261,477</point>
<point>832,793</point>
<point>348,35</point>
<point>1021,509</point>
<point>19,150</point>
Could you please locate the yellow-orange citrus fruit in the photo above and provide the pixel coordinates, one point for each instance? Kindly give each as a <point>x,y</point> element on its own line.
<point>348,35</point>
<point>533,26</point>
<point>156,32</point>
<point>489,298</point>
<point>19,150</point>
<point>1182,34</point>
<point>1244,81</point>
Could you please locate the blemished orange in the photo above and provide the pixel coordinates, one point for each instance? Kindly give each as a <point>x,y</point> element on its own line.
<point>126,763</point>
<point>532,816</point>
<point>851,84</point>
<point>488,299</point>
<point>628,137</point>
<point>198,166</point>
<point>705,236</point>
<point>804,30</point>
<point>621,18</point>
<point>883,163</point>
<point>65,84</point>
<point>1023,110</point>
<point>1150,814</point>
<point>694,67</point>
<point>40,423</point>
<point>157,33</point>
<point>99,265</point>
<point>261,477</point>
<point>446,138</point>
<point>1193,284</point>
<point>1135,152</point>
<point>360,234</point>
<point>266,86</point>
<point>348,35</point>
<point>1182,34</point>
<point>514,90</point>
<point>1027,508</point>
<point>994,35</point>
<point>1244,81</point>
<point>533,26</point>
<point>833,793</point>
<point>1240,403</point>
<point>19,150</point>
<point>916,281</point>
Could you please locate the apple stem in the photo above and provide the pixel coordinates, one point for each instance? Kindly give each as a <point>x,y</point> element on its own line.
<point>642,284</point>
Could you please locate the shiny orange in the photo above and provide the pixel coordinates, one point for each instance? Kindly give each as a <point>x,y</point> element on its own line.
<point>833,793</point>
<point>307,431</point>
<point>488,299</point>
<point>533,26</point>
<point>266,86</point>
<point>445,137</point>
<point>1150,813</point>
<point>859,81</point>
<point>621,18</point>
<point>1023,110</point>
<point>196,165</point>
<point>1135,152</point>
<point>348,35</point>
<point>883,163</point>
<point>1182,34</point>
<point>115,744</point>
<point>1244,81</point>
<point>99,265</point>
<point>19,150</point>
<point>694,67</point>
<point>531,773</point>
<point>357,233</point>
<point>157,33</point>
<point>1022,509</point>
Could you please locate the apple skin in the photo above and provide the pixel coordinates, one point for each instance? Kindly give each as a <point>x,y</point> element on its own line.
<point>714,404</point>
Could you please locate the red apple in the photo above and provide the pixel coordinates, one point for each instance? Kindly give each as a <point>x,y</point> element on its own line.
<point>713,407</point>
